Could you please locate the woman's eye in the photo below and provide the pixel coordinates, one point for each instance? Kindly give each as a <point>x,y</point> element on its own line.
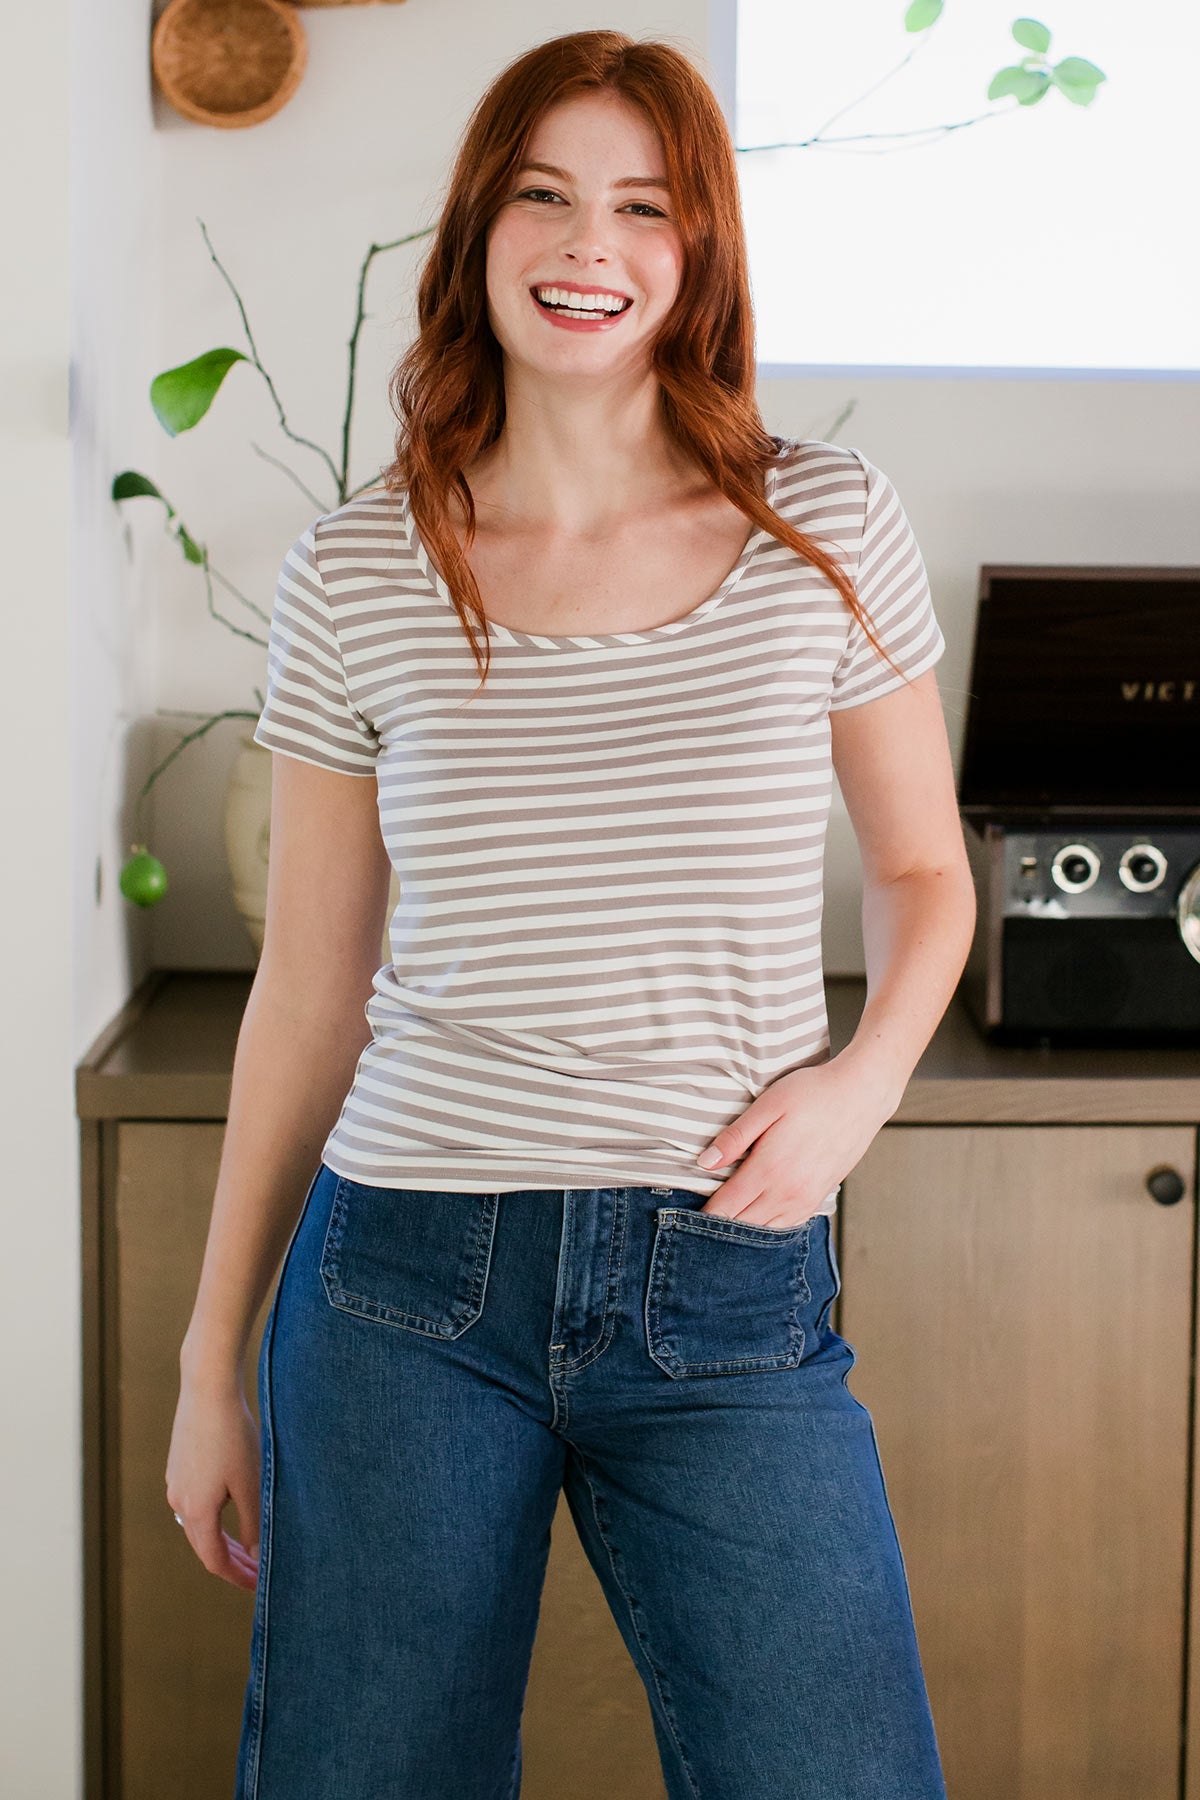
<point>652,212</point>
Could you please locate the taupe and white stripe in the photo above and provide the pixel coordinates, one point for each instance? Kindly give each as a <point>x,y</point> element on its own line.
<point>608,940</point>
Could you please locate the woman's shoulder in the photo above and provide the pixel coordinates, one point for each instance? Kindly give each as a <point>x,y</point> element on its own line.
<point>816,457</point>
<point>368,523</point>
<point>363,535</point>
<point>817,477</point>
<point>375,502</point>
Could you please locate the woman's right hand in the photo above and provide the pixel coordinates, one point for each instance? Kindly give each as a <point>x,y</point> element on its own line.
<point>215,1456</point>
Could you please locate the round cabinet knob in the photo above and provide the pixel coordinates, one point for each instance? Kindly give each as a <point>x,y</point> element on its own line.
<point>1166,1184</point>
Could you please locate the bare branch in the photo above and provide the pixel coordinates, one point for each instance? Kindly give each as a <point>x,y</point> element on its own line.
<point>254,357</point>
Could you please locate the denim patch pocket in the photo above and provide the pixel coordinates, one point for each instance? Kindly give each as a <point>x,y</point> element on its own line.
<point>409,1257</point>
<point>723,1297</point>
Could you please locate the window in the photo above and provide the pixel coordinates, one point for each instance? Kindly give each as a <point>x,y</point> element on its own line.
<point>1051,239</point>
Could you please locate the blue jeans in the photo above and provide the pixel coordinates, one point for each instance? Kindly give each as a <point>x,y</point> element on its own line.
<point>437,1366</point>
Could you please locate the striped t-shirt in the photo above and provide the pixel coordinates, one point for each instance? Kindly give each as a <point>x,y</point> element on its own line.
<point>608,938</point>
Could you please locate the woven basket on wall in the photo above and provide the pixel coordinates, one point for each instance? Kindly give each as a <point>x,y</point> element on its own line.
<point>228,62</point>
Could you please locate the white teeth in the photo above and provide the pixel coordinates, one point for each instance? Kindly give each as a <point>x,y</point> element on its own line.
<point>586,303</point>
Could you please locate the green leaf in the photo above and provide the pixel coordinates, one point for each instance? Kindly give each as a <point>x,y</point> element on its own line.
<point>922,14</point>
<point>129,485</point>
<point>1077,71</point>
<point>1032,34</point>
<point>1039,92</point>
<point>181,397</point>
<point>1078,96</point>
<point>189,546</point>
<point>1026,85</point>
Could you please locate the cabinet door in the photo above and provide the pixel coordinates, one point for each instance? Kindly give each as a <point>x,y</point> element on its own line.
<point>1021,1308</point>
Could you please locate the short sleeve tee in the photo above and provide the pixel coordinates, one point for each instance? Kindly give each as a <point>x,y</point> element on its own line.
<point>608,937</point>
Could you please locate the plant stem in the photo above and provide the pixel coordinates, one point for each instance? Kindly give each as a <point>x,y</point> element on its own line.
<point>290,473</point>
<point>359,315</point>
<point>254,357</point>
<point>237,630</point>
<point>817,142</point>
<point>190,738</point>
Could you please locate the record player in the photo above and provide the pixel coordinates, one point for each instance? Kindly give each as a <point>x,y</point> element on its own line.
<point>1079,792</point>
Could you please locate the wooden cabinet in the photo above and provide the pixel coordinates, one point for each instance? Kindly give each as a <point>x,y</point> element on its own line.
<point>1021,1307</point>
<point>1023,1311</point>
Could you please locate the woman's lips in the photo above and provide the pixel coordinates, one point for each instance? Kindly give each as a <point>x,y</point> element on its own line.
<point>602,321</point>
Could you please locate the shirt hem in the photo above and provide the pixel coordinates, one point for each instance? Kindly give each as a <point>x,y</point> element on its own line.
<point>506,1176</point>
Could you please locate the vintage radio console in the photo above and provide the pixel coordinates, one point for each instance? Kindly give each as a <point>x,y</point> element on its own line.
<point>1079,792</point>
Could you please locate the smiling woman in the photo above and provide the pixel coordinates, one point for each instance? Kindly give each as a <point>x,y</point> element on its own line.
<point>512,1276</point>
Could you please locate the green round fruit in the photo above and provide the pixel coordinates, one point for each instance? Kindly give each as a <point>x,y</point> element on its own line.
<point>143,879</point>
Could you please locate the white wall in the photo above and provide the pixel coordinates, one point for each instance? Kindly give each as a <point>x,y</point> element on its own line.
<point>115,650</point>
<point>39,1334</point>
<point>79,324</point>
<point>1069,471</point>
<point>110,624</point>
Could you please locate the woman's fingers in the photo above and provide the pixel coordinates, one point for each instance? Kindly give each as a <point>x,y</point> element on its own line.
<point>221,1554</point>
<point>245,1562</point>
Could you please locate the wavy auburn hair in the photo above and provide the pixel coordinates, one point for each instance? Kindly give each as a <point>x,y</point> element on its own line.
<point>447,390</point>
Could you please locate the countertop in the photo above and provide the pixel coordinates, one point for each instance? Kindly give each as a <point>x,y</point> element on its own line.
<point>168,1054</point>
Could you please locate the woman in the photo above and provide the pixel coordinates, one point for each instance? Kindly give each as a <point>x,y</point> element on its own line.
<point>514,1270</point>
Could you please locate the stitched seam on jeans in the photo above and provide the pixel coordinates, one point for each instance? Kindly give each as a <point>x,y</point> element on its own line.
<point>360,1307</point>
<point>744,1365</point>
<point>267,1522</point>
<point>562,1398</point>
<point>484,1238</point>
<point>612,1288</point>
<point>565,1249</point>
<point>668,1711</point>
<point>266,1543</point>
<point>686,1218</point>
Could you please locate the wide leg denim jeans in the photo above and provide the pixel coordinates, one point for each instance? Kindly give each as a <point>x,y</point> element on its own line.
<point>437,1366</point>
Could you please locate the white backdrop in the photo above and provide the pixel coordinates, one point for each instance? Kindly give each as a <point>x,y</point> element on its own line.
<point>1049,237</point>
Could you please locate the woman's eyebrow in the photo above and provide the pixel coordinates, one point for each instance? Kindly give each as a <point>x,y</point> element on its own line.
<point>625,181</point>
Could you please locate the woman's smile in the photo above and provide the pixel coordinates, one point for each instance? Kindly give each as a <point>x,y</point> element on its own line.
<point>578,319</point>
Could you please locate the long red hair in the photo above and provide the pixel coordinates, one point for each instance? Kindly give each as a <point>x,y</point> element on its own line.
<point>448,388</point>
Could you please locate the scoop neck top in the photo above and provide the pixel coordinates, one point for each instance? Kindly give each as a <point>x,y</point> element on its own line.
<point>610,639</point>
<point>607,940</point>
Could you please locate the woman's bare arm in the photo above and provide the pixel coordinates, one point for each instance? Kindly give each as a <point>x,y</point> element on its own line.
<point>301,1036</point>
<point>893,764</point>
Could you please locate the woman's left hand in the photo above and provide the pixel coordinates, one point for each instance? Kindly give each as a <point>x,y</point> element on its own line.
<point>808,1130</point>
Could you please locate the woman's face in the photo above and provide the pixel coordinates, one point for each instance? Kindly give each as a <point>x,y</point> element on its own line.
<point>601,225</point>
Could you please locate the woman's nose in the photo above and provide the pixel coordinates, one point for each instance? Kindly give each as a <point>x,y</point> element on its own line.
<point>587,234</point>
